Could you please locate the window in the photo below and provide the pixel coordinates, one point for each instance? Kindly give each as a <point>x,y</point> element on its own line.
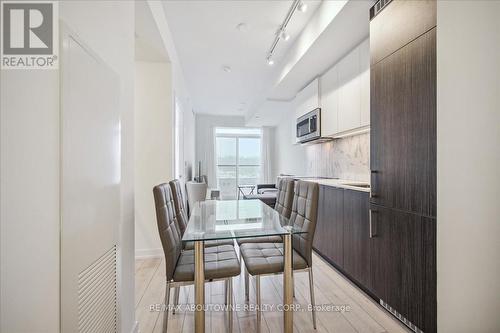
<point>238,159</point>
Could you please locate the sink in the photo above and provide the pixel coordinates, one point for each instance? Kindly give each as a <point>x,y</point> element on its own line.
<point>357,185</point>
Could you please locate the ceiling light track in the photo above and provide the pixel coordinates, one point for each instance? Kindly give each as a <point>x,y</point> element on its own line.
<point>282,31</point>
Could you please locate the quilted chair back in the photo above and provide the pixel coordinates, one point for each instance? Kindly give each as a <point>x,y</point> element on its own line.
<point>167,227</point>
<point>304,216</point>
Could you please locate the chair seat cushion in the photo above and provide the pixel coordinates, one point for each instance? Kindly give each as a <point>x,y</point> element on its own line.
<point>210,243</point>
<point>267,258</point>
<point>267,239</point>
<point>220,262</point>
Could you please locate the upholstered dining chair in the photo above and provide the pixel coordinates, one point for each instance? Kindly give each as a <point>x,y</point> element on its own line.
<point>283,205</point>
<point>182,217</point>
<point>182,221</point>
<point>268,258</point>
<point>284,200</point>
<point>221,262</point>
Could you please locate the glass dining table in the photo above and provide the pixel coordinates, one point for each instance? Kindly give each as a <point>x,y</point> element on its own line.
<point>232,219</point>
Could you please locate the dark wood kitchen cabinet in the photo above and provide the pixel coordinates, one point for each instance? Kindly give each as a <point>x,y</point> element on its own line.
<point>398,24</point>
<point>357,237</point>
<point>328,239</point>
<point>402,262</point>
<point>403,100</point>
<point>403,128</point>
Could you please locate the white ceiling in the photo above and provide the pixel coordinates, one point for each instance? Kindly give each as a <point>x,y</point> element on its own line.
<point>206,39</point>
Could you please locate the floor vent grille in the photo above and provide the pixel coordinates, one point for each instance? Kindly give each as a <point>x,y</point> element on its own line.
<point>97,295</point>
<point>400,317</point>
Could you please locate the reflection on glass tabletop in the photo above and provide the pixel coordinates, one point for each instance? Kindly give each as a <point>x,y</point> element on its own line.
<point>216,219</point>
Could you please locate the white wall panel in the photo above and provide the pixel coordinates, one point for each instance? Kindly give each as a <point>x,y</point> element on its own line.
<point>90,174</point>
<point>468,164</point>
<point>153,148</point>
<point>29,205</point>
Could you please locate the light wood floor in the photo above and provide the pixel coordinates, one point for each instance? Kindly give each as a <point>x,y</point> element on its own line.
<point>330,288</point>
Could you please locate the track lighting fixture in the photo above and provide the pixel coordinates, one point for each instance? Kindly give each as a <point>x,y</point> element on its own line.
<point>282,34</point>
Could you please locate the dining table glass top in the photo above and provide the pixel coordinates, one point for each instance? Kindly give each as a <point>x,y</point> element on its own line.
<point>226,219</point>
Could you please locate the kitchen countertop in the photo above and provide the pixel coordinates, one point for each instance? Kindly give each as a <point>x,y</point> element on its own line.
<point>340,183</point>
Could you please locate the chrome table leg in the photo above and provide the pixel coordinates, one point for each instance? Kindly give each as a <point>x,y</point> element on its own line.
<point>288,285</point>
<point>199,287</point>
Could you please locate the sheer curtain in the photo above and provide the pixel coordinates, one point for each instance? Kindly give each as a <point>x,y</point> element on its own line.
<point>210,157</point>
<point>266,155</point>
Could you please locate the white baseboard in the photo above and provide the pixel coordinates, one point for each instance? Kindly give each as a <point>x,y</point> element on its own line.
<point>148,253</point>
<point>135,328</point>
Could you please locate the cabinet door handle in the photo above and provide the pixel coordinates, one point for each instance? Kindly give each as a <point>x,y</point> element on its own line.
<point>372,183</point>
<point>373,230</point>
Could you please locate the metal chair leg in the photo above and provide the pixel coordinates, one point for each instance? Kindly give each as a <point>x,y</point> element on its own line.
<point>230,302</point>
<point>226,283</point>
<point>311,290</point>
<point>165,313</point>
<point>247,277</point>
<point>176,298</point>
<point>257,290</point>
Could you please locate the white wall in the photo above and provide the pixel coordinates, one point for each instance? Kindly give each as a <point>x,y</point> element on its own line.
<point>289,158</point>
<point>30,173</point>
<point>205,125</point>
<point>468,164</point>
<point>153,148</point>
<point>29,205</point>
<point>179,85</point>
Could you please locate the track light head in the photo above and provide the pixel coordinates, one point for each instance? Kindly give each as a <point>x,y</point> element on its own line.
<point>302,7</point>
<point>283,35</point>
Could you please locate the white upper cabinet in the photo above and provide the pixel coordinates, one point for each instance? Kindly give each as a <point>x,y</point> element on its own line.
<point>364,64</point>
<point>329,102</point>
<point>345,94</point>
<point>307,99</point>
<point>349,92</point>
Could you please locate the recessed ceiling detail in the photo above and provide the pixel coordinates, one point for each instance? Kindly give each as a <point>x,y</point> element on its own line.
<point>243,27</point>
<point>207,37</point>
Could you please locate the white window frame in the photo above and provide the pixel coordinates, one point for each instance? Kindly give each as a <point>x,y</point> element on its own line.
<point>237,165</point>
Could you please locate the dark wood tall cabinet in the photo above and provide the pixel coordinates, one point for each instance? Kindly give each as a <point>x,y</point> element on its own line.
<point>403,122</point>
<point>403,159</point>
<point>402,264</point>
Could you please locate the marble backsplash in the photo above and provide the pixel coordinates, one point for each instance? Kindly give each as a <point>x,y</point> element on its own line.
<point>346,158</point>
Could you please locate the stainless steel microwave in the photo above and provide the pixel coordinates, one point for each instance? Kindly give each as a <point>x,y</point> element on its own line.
<point>309,126</point>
